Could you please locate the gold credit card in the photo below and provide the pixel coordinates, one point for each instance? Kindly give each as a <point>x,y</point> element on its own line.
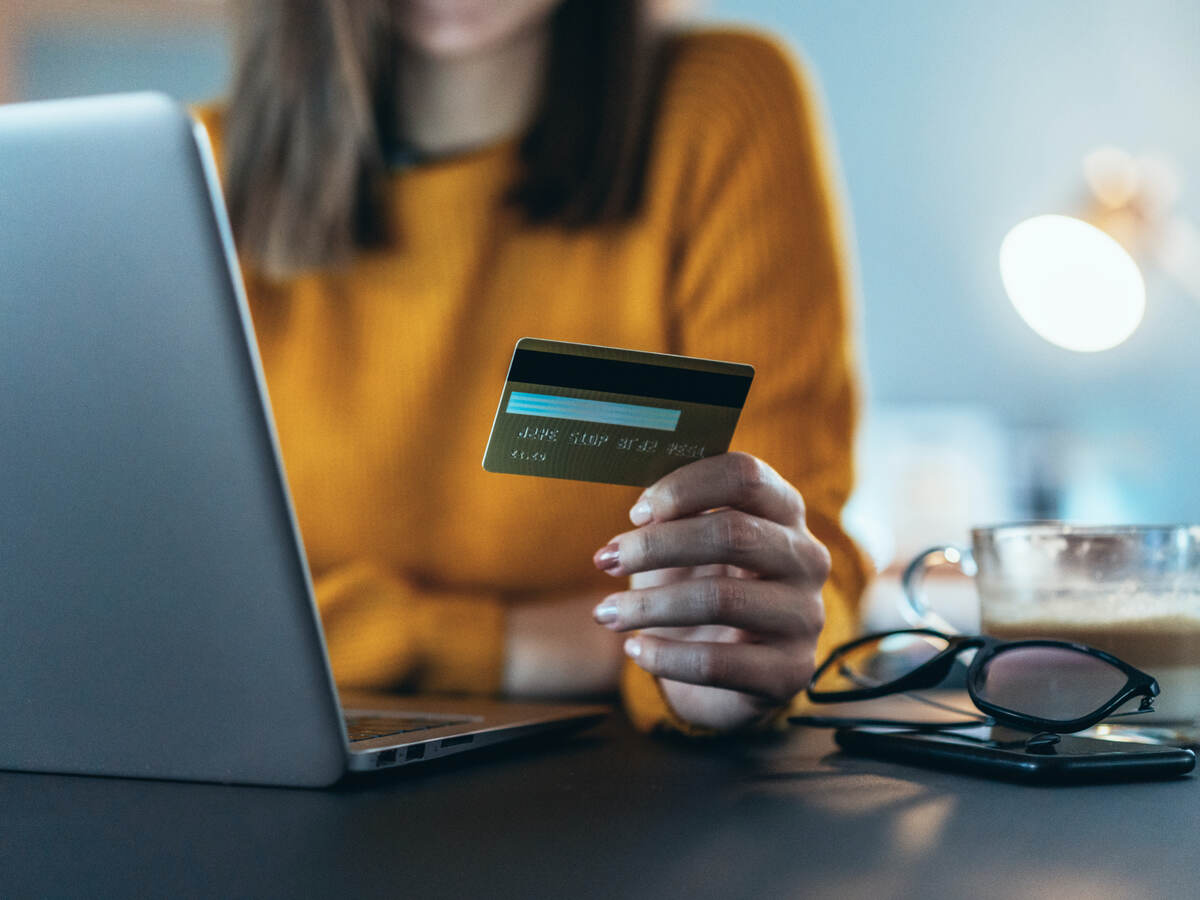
<point>616,416</point>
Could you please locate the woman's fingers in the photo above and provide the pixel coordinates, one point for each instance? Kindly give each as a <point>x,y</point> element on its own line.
<point>727,536</point>
<point>737,480</point>
<point>700,528</point>
<point>766,671</point>
<point>764,607</point>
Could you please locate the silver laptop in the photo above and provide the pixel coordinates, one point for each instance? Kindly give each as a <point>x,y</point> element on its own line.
<point>156,612</point>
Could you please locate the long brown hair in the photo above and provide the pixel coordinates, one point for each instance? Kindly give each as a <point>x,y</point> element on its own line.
<point>312,113</point>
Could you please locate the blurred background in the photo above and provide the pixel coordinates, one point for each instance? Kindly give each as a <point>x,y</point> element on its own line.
<point>954,120</point>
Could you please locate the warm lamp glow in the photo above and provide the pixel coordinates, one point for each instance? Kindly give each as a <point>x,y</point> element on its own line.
<point>1072,283</point>
<point>1112,174</point>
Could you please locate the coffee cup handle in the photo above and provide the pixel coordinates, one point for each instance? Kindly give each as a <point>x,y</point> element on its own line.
<point>916,610</point>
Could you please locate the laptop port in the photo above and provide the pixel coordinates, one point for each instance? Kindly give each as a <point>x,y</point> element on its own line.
<point>386,758</point>
<point>416,751</point>
<point>455,741</point>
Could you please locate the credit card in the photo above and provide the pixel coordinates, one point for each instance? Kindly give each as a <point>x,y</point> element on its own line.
<point>616,416</point>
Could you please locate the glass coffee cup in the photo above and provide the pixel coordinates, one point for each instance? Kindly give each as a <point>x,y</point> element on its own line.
<point>1133,591</point>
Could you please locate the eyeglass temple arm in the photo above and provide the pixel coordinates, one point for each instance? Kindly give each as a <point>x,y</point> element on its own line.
<point>937,704</point>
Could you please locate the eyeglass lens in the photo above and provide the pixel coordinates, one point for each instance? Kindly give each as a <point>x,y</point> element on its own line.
<point>881,661</point>
<point>1054,683</point>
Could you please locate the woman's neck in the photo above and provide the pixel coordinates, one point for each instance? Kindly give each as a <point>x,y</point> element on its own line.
<point>455,104</point>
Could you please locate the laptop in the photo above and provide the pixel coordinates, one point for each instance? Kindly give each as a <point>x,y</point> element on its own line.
<point>156,611</point>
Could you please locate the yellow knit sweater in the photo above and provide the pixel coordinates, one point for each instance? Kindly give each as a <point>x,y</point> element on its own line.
<point>384,376</point>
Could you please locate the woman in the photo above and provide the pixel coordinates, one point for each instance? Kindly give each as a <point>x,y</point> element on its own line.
<point>415,184</point>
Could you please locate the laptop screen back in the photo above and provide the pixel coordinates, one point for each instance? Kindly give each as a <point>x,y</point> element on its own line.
<point>156,616</point>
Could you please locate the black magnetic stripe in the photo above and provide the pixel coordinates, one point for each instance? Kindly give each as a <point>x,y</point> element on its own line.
<point>587,373</point>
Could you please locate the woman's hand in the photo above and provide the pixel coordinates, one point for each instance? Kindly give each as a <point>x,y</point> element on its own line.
<point>726,590</point>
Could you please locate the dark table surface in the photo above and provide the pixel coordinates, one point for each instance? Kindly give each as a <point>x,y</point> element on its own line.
<point>608,813</point>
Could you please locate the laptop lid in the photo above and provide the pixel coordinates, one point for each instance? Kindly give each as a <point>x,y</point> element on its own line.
<point>156,615</point>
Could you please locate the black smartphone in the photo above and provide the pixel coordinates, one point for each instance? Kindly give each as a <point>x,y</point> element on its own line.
<point>1001,753</point>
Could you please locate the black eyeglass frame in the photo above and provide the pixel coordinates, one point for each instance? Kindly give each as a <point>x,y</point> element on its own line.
<point>933,672</point>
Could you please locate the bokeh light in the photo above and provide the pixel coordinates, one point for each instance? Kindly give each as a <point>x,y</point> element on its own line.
<point>1072,283</point>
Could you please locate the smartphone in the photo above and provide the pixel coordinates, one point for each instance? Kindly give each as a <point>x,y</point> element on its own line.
<point>1001,753</point>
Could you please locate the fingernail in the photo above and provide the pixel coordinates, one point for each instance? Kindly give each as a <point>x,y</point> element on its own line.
<point>633,648</point>
<point>606,612</point>
<point>608,557</point>
<point>641,513</point>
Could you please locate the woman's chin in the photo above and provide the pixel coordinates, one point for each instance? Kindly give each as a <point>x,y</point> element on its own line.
<point>461,29</point>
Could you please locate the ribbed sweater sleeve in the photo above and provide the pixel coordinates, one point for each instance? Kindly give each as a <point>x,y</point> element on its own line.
<point>762,276</point>
<point>383,632</point>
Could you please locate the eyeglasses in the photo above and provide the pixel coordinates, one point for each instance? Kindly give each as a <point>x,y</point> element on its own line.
<point>1042,686</point>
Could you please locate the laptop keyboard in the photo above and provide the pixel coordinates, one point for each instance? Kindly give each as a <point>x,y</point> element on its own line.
<point>362,728</point>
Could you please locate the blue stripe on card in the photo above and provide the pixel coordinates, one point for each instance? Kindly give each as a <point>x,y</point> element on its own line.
<point>600,411</point>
